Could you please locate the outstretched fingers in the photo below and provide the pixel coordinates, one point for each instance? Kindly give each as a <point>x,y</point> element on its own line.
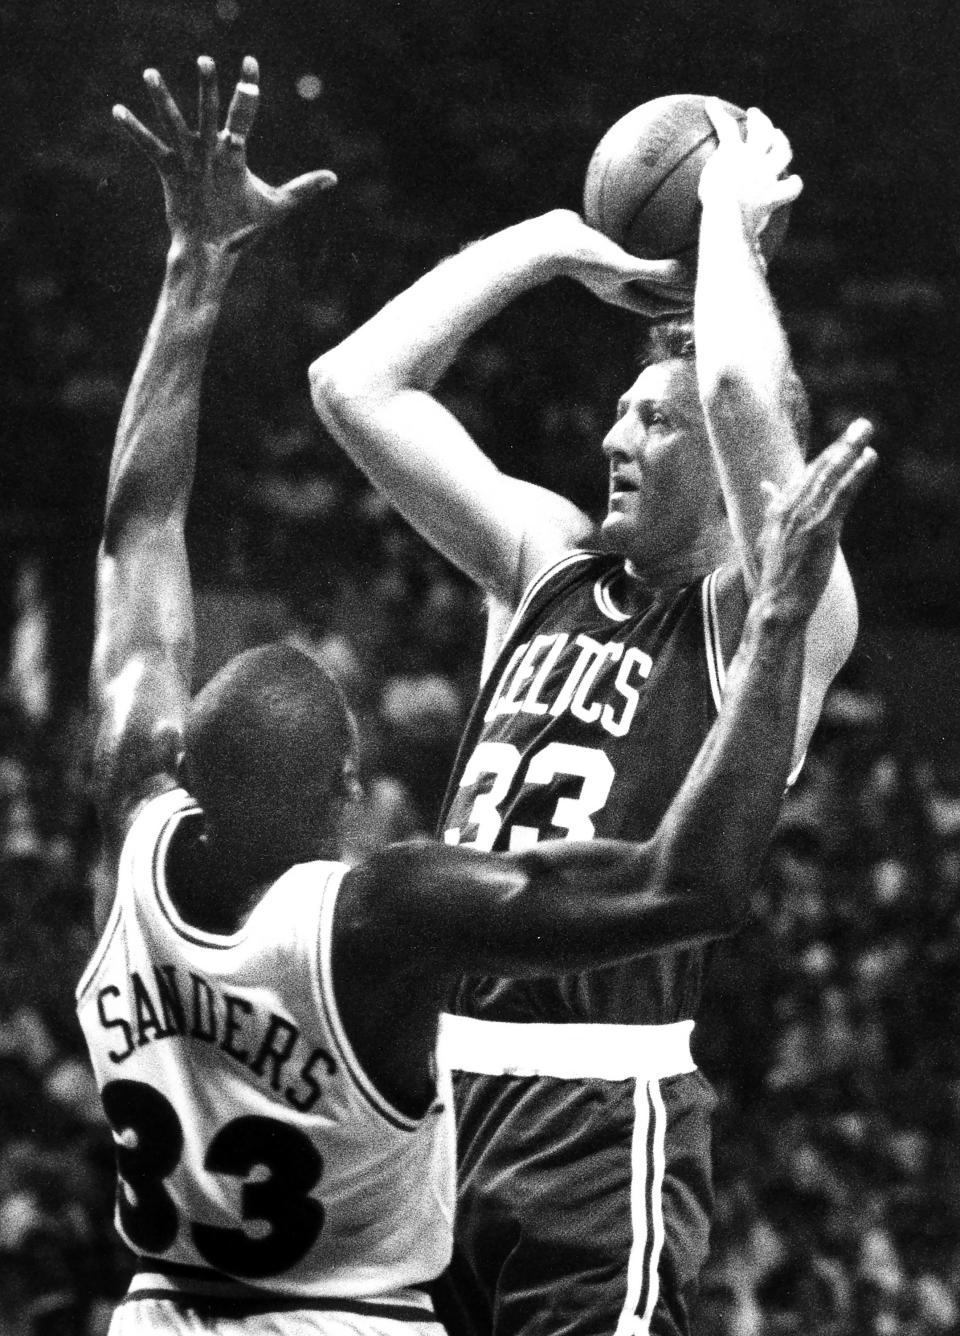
<point>804,521</point>
<point>155,149</point>
<point>168,113</point>
<point>836,476</point>
<point>304,188</point>
<point>846,484</point>
<point>208,104</point>
<point>243,105</point>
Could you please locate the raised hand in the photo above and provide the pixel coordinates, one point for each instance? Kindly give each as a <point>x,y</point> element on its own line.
<point>649,287</point>
<point>212,198</point>
<point>801,533</point>
<point>751,168</point>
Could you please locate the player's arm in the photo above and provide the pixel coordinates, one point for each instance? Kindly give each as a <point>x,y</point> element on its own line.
<point>144,623</point>
<point>374,392</point>
<point>747,380</point>
<point>564,905</point>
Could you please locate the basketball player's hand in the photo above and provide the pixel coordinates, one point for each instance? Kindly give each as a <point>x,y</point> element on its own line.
<point>801,533</point>
<point>749,169</point>
<point>212,198</point>
<point>649,287</point>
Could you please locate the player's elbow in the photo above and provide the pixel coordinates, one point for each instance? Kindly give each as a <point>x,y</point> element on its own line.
<point>832,632</point>
<point>729,392</point>
<point>840,600</point>
<point>344,392</point>
<point>710,899</point>
<point>724,902</point>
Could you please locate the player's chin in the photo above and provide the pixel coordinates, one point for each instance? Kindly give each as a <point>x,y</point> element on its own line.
<point>617,529</point>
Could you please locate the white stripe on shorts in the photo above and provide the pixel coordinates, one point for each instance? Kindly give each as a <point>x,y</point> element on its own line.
<point>569,1052</point>
<point>648,1155</point>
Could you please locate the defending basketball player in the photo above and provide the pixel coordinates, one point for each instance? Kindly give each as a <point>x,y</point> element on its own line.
<point>262,1018</point>
<point>583,1124</point>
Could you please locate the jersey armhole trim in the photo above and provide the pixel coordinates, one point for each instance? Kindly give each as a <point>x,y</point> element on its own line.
<point>128,866</point>
<point>540,580</point>
<point>716,667</point>
<point>712,640</point>
<point>197,936</point>
<point>100,950</point>
<point>328,1001</point>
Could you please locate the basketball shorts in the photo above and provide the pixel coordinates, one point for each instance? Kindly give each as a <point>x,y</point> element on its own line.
<point>157,1305</point>
<point>584,1200</point>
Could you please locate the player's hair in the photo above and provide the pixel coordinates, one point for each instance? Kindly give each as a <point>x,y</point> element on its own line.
<point>666,340</point>
<point>266,740</point>
<point>672,338</point>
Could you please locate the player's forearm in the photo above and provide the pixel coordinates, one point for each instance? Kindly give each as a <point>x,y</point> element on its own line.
<point>746,378</point>
<point>716,831</point>
<point>565,905</point>
<point>373,393</point>
<point>412,341</point>
<point>560,905</point>
<point>742,348</point>
<point>152,468</point>
<point>575,904</point>
<point>690,883</point>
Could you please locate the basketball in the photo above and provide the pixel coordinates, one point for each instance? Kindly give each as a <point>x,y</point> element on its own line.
<point>641,184</point>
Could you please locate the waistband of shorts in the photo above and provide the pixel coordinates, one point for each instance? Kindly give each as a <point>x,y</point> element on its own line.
<point>216,1295</point>
<point>569,1052</point>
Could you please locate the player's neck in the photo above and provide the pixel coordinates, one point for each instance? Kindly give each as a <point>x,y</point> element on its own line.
<point>208,895</point>
<point>672,569</point>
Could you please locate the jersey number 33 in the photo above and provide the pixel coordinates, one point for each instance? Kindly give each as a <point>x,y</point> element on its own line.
<point>150,1144</point>
<point>492,770</point>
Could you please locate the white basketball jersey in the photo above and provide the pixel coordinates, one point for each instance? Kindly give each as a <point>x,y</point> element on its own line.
<point>249,1140</point>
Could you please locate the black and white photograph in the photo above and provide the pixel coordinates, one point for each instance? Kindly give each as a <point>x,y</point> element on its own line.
<point>480,668</point>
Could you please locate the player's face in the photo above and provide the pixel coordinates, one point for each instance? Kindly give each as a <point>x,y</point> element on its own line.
<point>664,490</point>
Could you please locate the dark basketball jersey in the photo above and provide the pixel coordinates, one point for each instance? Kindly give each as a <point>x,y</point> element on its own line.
<point>587,726</point>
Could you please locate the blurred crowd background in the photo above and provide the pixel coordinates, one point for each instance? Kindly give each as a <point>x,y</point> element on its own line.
<point>831,1024</point>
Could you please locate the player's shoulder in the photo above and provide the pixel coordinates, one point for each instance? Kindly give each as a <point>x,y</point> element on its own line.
<point>728,588</point>
<point>161,792</point>
<point>136,839</point>
<point>550,526</point>
<point>147,810</point>
<point>564,572</point>
<point>378,881</point>
<point>387,897</point>
<point>550,583</point>
<point>833,628</point>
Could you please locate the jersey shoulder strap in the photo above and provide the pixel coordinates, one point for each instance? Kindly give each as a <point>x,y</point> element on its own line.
<point>148,834</point>
<point>552,580</point>
<point>712,639</point>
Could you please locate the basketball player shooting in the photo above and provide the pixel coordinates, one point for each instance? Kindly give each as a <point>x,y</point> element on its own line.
<point>262,1018</point>
<point>584,1190</point>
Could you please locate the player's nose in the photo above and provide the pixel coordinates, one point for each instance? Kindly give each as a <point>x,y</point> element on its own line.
<point>616,443</point>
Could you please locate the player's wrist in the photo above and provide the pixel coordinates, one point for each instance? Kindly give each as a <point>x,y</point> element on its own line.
<point>777,620</point>
<point>196,281</point>
<point>206,264</point>
<point>554,243</point>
